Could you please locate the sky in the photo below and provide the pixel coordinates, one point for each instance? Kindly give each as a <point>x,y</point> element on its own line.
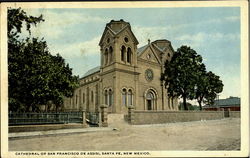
<point>214,32</point>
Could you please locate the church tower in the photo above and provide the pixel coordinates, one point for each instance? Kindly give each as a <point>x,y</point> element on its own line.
<point>118,44</point>
<point>118,72</point>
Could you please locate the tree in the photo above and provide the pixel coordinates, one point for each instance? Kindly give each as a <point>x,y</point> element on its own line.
<point>35,76</point>
<point>189,106</point>
<point>16,18</point>
<point>186,76</point>
<point>215,86</point>
<point>208,86</point>
<point>201,88</point>
<point>181,73</point>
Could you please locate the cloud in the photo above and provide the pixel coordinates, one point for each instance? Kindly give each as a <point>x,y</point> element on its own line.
<point>78,49</point>
<point>57,23</point>
<point>188,37</point>
<point>143,33</point>
<point>232,85</point>
<point>65,18</point>
<point>171,31</point>
<point>219,20</point>
<point>194,40</point>
<point>232,18</point>
<point>201,38</point>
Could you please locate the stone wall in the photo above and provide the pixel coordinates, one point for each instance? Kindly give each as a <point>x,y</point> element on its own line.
<point>234,114</point>
<point>158,117</point>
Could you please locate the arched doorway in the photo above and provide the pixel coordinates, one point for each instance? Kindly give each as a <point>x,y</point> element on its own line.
<point>150,100</point>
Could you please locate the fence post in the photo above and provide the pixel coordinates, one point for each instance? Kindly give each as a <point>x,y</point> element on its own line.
<point>226,112</point>
<point>84,124</point>
<point>131,114</point>
<point>223,112</point>
<point>104,115</point>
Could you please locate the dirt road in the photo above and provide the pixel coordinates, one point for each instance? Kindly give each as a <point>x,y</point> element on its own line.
<point>201,135</point>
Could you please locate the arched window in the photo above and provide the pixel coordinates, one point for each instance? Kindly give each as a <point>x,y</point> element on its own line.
<point>76,101</point>
<point>124,97</point>
<point>83,98</point>
<point>130,97</point>
<point>110,54</point>
<point>150,96</point>
<point>80,99</point>
<point>106,97</point>
<point>129,55</point>
<point>123,51</point>
<point>110,97</point>
<point>87,99</point>
<point>106,57</point>
<point>96,94</point>
<point>92,96</point>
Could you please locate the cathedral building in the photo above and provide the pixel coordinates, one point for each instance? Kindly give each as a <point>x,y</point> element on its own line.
<point>127,75</point>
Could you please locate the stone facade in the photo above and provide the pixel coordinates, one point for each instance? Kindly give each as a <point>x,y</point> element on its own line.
<point>128,76</point>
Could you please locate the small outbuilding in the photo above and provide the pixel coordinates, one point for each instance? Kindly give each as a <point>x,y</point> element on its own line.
<point>228,104</point>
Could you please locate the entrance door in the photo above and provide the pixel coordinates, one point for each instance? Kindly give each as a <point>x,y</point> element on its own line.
<point>150,101</point>
<point>149,104</point>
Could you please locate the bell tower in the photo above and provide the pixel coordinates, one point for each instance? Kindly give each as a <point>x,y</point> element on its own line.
<point>118,46</point>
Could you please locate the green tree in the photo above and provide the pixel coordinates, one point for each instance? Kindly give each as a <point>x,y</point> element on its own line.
<point>181,73</point>
<point>189,106</point>
<point>35,76</point>
<point>16,19</point>
<point>201,88</point>
<point>208,86</point>
<point>215,86</point>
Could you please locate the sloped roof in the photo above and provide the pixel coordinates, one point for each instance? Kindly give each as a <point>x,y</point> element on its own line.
<point>91,71</point>
<point>231,101</point>
<point>154,44</point>
<point>117,30</point>
<point>160,49</point>
<point>228,102</point>
<point>141,49</point>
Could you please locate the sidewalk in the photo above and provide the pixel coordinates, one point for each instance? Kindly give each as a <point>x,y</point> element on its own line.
<point>57,132</point>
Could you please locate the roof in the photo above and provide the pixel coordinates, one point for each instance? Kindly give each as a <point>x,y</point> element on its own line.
<point>154,43</point>
<point>141,49</point>
<point>160,49</point>
<point>119,25</point>
<point>231,101</point>
<point>116,27</point>
<point>228,102</point>
<point>91,71</point>
<point>163,47</point>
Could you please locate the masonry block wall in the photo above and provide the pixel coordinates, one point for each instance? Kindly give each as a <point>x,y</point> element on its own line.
<point>235,114</point>
<point>158,117</point>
